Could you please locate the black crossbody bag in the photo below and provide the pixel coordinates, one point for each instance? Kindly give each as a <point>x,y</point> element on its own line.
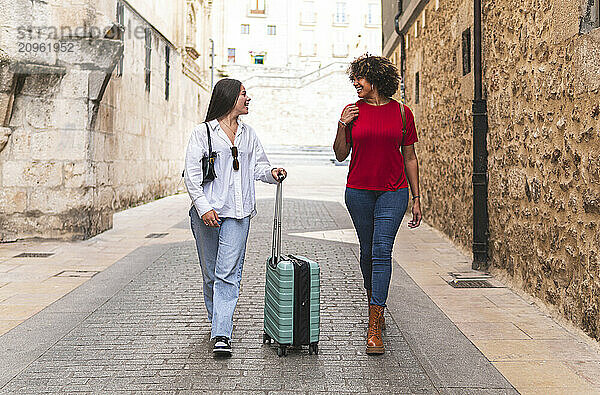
<point>208,162</point>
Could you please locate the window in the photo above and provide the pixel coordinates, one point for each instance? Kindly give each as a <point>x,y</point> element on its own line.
<point>259,59</point>
<point>340,12</point>
<point>271,30</point>
<point>340,45</point>
<point>372,14</point>
<point>307,43</point>
<point>245,29</point>
<point>231,55</point>
<point>121,22</point>
<point>374,44</point>
<point>466,51</point>
<point>148,64</point>
<point>257,7</point>
<point>308,16</point>
<point>167,71</point>
<point>417,88</point>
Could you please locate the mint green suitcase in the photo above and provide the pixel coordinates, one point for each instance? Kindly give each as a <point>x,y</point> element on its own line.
<point>292,295</point>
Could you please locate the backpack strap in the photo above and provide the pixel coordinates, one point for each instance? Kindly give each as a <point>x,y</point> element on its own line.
<point>403,122</point>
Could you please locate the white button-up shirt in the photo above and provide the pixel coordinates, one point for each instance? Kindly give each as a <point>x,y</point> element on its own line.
<point>231,194</point>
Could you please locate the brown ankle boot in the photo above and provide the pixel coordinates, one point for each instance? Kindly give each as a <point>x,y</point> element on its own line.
<point>369,294</point>
<point>374,337</point>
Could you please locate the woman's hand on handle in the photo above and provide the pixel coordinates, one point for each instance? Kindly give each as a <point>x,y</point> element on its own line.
<point>211,219</point>
<point>279,172</point>
<point>416,214</point>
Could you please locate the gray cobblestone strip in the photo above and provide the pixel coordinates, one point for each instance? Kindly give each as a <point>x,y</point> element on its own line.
<point>153,334</point>
<point>32,338</point>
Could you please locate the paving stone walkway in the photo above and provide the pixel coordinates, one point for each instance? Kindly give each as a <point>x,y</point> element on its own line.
<point>144,328</point>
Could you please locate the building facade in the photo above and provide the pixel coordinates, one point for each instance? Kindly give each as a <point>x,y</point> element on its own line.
<point>97,100</point>
<point>541,81</point>
<point>292,57</point>
<point>295,34</point>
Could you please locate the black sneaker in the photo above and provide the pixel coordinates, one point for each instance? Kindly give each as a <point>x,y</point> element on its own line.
<point>222,346</point>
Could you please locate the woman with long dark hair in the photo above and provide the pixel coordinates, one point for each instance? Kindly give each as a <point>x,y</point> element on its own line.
<point>381,134</point>
<point>222,208</point>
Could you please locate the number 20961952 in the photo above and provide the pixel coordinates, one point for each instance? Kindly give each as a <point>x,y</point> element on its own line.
<point>45,47</point>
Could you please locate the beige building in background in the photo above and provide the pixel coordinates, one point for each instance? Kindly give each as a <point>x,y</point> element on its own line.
<point>541,79</point>
<point>97,100</point>
<point>296,34</point>
<point>292,57</point>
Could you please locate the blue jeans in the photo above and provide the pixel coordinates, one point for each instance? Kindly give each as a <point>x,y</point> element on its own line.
<point>221,252</point>
<point>376,216</point>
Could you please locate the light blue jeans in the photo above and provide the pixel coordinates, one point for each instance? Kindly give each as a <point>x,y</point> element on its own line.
<point>376,216</point>
<point>221,253</point>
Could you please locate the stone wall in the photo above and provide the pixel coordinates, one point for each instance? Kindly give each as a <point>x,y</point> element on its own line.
<point>544,141</point>
<point>542,81</point>
<point>140,137</point>
<point>443,117</point>
<point>46,119</point>
<point>77,141</point>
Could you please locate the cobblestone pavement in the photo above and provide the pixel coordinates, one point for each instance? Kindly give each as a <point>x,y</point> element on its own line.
<point>153,335</point>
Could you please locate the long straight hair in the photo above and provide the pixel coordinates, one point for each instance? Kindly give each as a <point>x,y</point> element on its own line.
<point>223,99</point>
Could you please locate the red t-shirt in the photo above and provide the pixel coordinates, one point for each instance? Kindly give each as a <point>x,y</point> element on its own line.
<point>377,163</point>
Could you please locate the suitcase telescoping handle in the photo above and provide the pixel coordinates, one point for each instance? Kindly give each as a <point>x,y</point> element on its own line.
<point>276,248</point>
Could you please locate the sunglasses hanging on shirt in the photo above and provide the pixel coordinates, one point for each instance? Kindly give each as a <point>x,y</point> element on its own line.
<point>236,163</point>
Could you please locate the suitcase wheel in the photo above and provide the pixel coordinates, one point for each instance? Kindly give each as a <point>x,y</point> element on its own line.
<point>266,339</point>
<point>313,348</point>
<point>281,351</point>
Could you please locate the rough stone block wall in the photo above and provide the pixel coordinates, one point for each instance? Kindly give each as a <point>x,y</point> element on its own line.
<point>542,81</point>
<point>544,142</point>
<point>443,117</point>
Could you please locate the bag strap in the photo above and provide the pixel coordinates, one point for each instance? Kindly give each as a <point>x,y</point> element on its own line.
<point>209,143</point>
<point>209,146</point>
<point>403,122</point>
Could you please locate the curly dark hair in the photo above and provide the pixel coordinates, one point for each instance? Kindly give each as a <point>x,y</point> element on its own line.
<point>379,71</point>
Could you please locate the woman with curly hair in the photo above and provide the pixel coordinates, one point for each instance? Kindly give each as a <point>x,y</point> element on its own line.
<point>381,134</point>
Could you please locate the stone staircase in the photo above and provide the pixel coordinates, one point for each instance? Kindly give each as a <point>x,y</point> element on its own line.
<point>285,78</point>
<point>302,155</point>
